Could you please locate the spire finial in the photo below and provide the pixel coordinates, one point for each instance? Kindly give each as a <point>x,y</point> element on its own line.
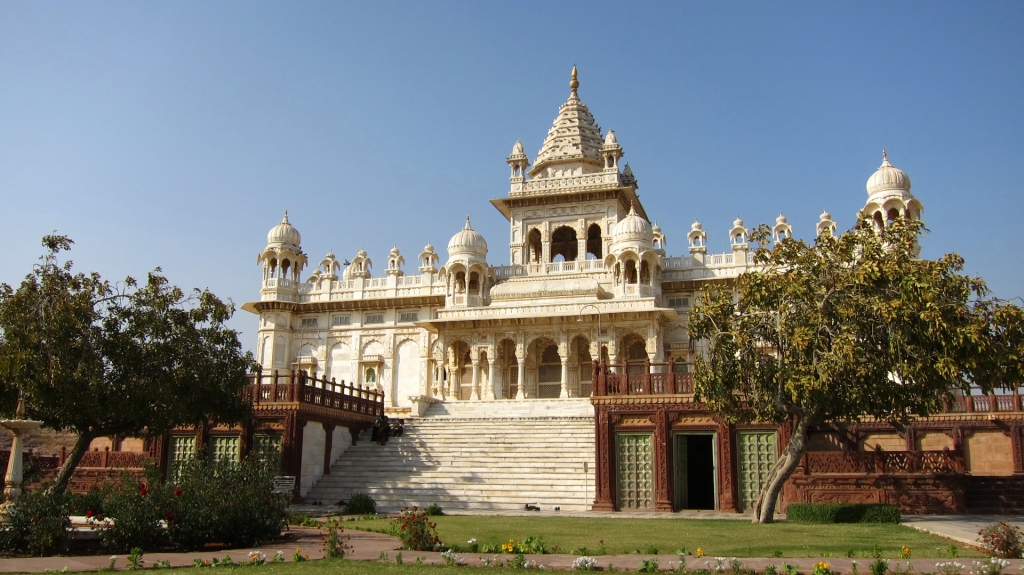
<point>574,83</point>
<point>468,227</point>
<point>885,158</point>
<point>285,220</point>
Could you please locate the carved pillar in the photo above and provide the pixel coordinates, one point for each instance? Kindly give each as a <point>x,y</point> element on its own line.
<point>492,378</point>
<point>603,456</point>
<point>726,468</point>
<point>291,449</point>
<point>662,479</point>
<point>475,393</point>
<point>521,377</point>
<point>1017,442</point>
<point>328,446</point>
<point>565,377</point>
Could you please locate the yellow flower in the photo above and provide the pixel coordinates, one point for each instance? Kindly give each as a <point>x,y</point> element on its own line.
<point>700,552</point>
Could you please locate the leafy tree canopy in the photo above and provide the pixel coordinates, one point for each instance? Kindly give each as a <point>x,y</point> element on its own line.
<point>129,359</point>
<point>848,327</point>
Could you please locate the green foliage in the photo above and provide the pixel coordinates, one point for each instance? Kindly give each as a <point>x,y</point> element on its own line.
<point>434,510</point>
<point>879,566</point>
<point>847,327</point>
<point>360,504</point>
<point>417,531</point>
<point>648,565</point>
<point>137,508</point>
<point>1002,539</point>
<point>336,541</point>
<point>37,524</point>
<point>843,513</point>
<point>130,358</point>
<point>222,502</point>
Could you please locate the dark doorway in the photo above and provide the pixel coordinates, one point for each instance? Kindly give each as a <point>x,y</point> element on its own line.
<point>694,485</point>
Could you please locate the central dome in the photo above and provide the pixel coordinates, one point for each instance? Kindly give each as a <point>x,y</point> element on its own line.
<point>467,241</point>
<point>574,135</point>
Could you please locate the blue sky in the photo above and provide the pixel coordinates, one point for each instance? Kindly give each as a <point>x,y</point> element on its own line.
<point>174,134</point>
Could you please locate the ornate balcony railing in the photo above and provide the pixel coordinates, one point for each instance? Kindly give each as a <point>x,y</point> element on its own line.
<point>642,378</point>
<point>299,387</point>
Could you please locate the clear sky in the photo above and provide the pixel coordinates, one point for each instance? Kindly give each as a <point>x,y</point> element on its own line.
<point>174,134</point>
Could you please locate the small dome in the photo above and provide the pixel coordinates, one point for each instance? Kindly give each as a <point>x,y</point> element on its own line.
<point>888,177</point>
<point>467,241</point>
<point>633,228</point>
<point>781,220</point>
<point>361,253</point>
<point>394,251</point>
<point>825,216</point>
<point>697,226</point>
<point>517,150</point>
<point>656,228</point>
<point>610,141</point>
<point>429,248</point>
<point>737,223</point>
<point>285,233</point>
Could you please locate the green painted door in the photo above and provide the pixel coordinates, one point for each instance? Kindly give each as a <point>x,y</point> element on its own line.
<point>681,499</point>
<point>756,457</point>
<point>635,470</point>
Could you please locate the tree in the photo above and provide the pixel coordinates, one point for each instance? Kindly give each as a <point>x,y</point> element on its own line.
<point>127,359</point>
<point>848,327</point>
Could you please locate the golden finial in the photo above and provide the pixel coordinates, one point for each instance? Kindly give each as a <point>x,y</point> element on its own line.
<point>574,83</point>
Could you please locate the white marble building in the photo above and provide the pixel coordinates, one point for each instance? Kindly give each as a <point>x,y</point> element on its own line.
<point>589,275</point>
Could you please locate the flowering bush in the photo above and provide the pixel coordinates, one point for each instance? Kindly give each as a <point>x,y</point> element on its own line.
<point>822,568</point>
<point>949,568</point>
<point>37,523</point>
<point>904,552</point>
<point>335,540</point>
<point>994,566</point>
<point>449,556</point>
<point>138,509</point>
<point>584,564</point>
<point>1002,539</point>
<point>416,530</point>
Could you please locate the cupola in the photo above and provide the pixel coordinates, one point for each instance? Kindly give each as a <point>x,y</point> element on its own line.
<point>825,224</point>
<point>888,177</point>
<point>697,238</point>
<point>633,229</point>
<point>284,234</point>
<point>782,229</point>
<point>467,242</point>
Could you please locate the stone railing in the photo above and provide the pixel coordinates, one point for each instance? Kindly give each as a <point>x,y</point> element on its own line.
<point>642,378</point>
<point>301,388</point>
<point>883,462</point>
<point>986,403</point>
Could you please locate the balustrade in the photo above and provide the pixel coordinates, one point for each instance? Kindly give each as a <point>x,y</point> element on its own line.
<point>883,462</point>
<point>641,378</point>
<point>300,387</point>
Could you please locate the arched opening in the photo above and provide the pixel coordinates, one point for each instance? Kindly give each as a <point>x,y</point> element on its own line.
<point>370,376</point>
<point>460,282</point>
<point>636,352</point>
<point>892,215</point>
<point>285,265</point>
<point>581,369</point>
<point>630,272</point>
<point>618,274</point>
<point>645,273</point>
<point>879,224</point>
<point>594,243</point>
<point>465,370</point>
<point>534,245</point>
<point>564,243</point>
<point>474,282</point>
<point>273,266</point>
<point>549,373</point>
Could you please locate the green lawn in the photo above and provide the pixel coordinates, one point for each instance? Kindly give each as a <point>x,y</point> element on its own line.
<point>715,537</point>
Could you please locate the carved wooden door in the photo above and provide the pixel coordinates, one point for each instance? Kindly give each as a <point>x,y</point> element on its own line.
<point>756,456</point>
<point>634,470</point>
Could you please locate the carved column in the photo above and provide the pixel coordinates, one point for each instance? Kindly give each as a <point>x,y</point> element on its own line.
<point>492,377</point>
<point>726,468</point>
<point>1017,442</point>
<point>565,377</point>
<point>475,393</point>
<point>662,479</point>
<point>603,456</point>
<point>521,377</point>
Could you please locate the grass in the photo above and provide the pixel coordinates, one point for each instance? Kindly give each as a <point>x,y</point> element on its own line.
<point>334,567</point>
<point>724,538</point>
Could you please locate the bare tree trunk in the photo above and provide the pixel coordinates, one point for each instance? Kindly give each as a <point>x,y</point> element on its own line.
<point>764,511</point>
<point>68,469</point>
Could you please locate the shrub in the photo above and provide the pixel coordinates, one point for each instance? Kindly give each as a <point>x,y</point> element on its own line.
<point>136,508</point>
<point>37,523</point>
<point>648,565</point>
<point>336,541</point>
<point>360,504</point>
<point>222,502</point>
<point>416,530</point>
<point>843,513</point>
<point>584,563</point>
<point>434,509</point>
<point>1002,540</point>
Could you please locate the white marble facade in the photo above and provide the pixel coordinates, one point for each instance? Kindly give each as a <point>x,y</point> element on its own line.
<point>585,258</point>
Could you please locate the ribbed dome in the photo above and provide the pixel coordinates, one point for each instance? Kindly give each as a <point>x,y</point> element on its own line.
<point>633,228</point>
<point>467,241</point>
<point>888,177</point>
<point>284,233</point>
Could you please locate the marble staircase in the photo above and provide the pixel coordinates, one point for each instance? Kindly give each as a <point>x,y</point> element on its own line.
<point>476,455</point>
